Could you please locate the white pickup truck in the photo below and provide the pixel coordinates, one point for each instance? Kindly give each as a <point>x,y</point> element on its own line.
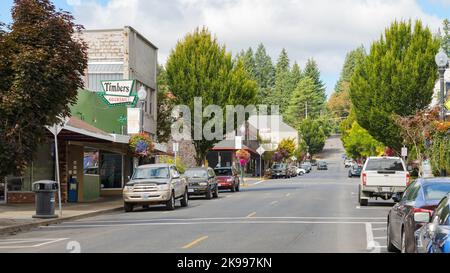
<point>382,177</point>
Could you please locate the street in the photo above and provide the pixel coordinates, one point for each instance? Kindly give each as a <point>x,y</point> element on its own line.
<point>317,213</point>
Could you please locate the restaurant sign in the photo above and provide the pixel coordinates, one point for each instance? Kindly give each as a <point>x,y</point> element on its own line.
<point>117,93</point>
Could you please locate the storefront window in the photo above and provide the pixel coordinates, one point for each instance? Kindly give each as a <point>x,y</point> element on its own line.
<point>41,168</point>
<point>91,161</point>
<point>111,170</point>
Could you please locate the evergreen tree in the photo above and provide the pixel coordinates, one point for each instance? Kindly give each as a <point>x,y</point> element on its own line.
<point>312,71</point>
<point>351,61</point>
<point>282,91</point>
<point>264,70</point>
<point>397,77</point>
<point>445,38</point>
<point>296,75</point>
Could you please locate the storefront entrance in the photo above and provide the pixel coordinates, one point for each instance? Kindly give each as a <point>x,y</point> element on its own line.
<point>3,191</point>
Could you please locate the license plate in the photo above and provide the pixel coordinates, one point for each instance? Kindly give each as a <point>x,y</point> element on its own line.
<point>220,184</point>
<point>385,189</point>
<point>146,197</point>
<point>190,190</point>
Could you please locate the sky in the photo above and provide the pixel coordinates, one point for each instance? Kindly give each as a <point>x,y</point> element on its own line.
<point>325,30</point>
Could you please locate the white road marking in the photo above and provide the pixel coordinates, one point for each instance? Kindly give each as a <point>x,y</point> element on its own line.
<point>287,195</point>
<point>380,238</point>
<point>39,243</point>
<point>257,183</point>
<point>209,223</point>
<point>379,229</point>
<point>369,235</point>
<point>274,203</point>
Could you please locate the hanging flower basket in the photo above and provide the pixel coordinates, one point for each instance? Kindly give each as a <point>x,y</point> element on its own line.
<point>141,145</point>
<point>243,156</point>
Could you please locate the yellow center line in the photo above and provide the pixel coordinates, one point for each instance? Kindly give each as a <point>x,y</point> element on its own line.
<point>190,245</point>
<point>251,215</point>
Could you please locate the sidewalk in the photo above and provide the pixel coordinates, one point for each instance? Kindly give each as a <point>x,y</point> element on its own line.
<point>18,218</point>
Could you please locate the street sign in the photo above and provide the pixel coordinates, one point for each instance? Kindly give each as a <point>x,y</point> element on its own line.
<point>261,150</point>
<point>404,152</point>
<point>238,143</point>
<point>176,147</point>
<point>447,105</point>
<point>117,93</point>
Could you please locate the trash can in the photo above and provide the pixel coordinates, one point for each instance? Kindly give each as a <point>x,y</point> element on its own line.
<point>45,199</point>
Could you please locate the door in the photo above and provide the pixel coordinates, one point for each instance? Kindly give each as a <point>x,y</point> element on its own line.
<point>176,180</point>
<point>3,191</point>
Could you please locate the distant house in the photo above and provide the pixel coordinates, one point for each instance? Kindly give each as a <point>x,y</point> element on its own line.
<point>437,90</point>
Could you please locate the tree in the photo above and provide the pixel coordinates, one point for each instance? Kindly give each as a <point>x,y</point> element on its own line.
<point>312,71</point>
<point>359,143</point>
<point>313,136</point>
<point>296,76</point>
<point>289,146</point>
<point>165,106</point>
<point>352,59</point>
<point>282,91</point>
<point>397,77</point>
<point>248,59</point>
<point>445,38</point>
<point>265,75</point>
<point>41,67</point>
<point>199,67</point>
<point>304,95</point>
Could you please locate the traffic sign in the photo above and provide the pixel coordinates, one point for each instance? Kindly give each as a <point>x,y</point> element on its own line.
<point>261,150</point>
<point>404,152</point>
<point>447,105</point>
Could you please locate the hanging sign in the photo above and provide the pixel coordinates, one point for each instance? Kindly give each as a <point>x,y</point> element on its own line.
<point>116,93</point>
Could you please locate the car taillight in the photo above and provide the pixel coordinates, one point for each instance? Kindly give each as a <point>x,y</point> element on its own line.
<point>408,179</point>
<point>364,179</point>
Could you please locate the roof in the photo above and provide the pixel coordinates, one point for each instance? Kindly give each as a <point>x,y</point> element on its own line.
<point>229,145</point>
<point>434,180</point>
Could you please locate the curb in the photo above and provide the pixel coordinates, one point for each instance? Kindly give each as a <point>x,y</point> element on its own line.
<point>13,230</point>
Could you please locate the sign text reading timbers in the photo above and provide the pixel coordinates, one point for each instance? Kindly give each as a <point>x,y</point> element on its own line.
<point>117,88</point>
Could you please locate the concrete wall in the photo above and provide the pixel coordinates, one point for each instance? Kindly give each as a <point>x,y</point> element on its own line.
<point>105,45</point>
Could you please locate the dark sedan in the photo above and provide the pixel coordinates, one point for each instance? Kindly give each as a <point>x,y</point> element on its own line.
<point>322,166</point>
<point>422,196</point>
<point>355,171</point>
<point>434,237</point>
<point>202,181</point>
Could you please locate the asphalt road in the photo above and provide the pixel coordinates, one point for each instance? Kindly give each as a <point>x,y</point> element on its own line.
<point>315,213</point>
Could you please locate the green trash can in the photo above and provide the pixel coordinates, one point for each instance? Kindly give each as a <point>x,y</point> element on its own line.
<point>45,199</point>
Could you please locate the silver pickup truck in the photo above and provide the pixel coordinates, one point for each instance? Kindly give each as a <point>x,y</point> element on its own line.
<point>382,177</point>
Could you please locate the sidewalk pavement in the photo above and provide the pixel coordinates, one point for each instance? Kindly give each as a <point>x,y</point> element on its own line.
<point>18,218</point>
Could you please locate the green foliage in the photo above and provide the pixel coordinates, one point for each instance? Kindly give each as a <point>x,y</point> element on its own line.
<point>41,69</point>
<point>312,71</point>
<point>352,59</point>
<point>305,93</point>
<point>199,67</point>
<point>289,146</point>
<point>171,160</point>
<point>313,135</point>
<point>397,77</point>
<point>264,70</point>
<point>445,38</point>
<point>440,154</point>
<point>165,106</point>
<point>136,142</point>
<point>359,143</point>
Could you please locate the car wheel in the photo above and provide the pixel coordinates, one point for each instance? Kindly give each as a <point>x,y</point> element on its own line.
<point>208,194</point>
<point>233,188</point>
<point>145,206</point>
<point>185,200</point>
<point>216,192</point>
<point>170,204</point>
<point>128,207</point>
<point>238,187</point>
<point>390,245</point>
<point>404,246</point>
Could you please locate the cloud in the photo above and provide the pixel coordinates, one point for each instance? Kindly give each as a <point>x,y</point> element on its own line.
<point>323,29</point>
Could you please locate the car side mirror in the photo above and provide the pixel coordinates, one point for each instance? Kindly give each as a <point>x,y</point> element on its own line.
<point>397,197</point>
<point>422,217</point>
<point>129,178</point>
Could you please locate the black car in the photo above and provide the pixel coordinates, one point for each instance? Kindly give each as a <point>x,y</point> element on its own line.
<point>434,237</point>
<point>202,181</point>
<point>355,171</point>
<point>322,166</point>
<point>422,196</point>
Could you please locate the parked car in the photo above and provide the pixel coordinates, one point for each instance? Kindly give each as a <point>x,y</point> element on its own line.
<point>312,162</point>
<point>228,178</point>
<point>382,177</point>
<point>301,171</point>
<point>280,170</point>
<point>202,181</point>
<point>434,236</point>
<point>322,166</point>
<point>155,184</point>
<point>355,170</point>
<point>421,197</point>
<point>307,166</point>
<point>292,172</point>
<point>348,163</point>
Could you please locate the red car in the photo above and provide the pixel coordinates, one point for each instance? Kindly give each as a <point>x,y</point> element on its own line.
<point>228,178</point>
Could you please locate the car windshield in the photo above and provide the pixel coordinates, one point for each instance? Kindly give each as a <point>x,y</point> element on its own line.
<point>223,172</point>
<point>196,173</point>
<point>277,166</point>
<point>149,173</point>
<point>436,191</point>
<point>385,164</point>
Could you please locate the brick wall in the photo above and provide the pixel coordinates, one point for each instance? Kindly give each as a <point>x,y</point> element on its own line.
<point>105,45</point>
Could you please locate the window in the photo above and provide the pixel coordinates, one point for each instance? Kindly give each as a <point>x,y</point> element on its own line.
<point>211,173</point>
<point>196,173</point>
<point>444,217</point>
<point>436,191</point>
<point>91,161</point>
<point>224,172</point>
<point>41,168</point>
<point>111,170</point>
<point>385,164</point>
<point>174,172</point>
<point>149,173</point>
<point>412,192</point>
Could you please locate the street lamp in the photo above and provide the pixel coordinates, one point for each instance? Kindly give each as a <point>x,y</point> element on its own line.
<point>142,96</point>
<point>442,63</point>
